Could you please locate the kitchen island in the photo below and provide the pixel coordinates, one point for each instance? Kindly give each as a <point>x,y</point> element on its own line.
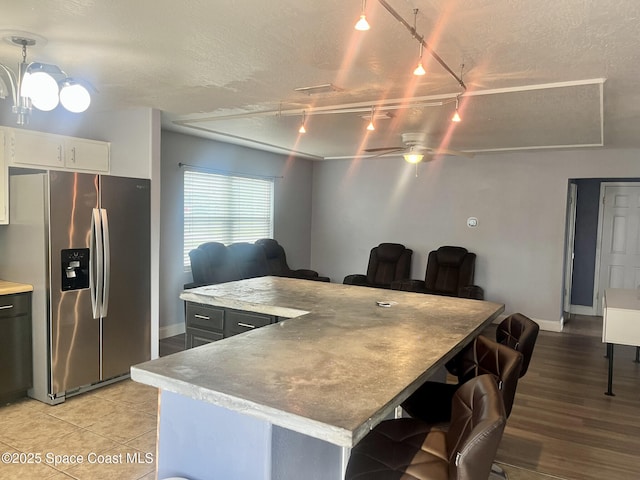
<point>293,397</point>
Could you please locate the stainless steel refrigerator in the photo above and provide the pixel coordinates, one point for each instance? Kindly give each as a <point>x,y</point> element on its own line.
<point>83,242</point>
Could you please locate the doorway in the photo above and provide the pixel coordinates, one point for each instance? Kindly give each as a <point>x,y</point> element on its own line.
<point>618,239</point>
<point>585,283</point>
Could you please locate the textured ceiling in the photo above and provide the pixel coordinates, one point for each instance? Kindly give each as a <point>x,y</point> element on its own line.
<point>545,74</point>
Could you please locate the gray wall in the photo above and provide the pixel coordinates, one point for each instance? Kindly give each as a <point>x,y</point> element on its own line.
<point>292,207</point>
<point>519,199</point>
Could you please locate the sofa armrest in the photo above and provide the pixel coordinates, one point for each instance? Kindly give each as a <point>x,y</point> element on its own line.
<point>409,285</point>
<point>303,273</point>
<point>306,274</point>
<point>472,291</point>
<point>187,286</point>
<point>356,279</point>
<point>320,279</point>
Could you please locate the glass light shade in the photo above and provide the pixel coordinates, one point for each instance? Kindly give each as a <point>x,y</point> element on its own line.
<point>419,70</point>
<point>43,91</point>
<point>25,85</point>
<point>75,98</point>
<point>362,24</point>
<point>371,127</point>
<point>302,129</point>
<point>456,117</point>
<point>413,157</point>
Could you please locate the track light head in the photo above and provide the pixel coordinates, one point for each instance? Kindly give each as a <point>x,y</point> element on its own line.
<point>362,25</point>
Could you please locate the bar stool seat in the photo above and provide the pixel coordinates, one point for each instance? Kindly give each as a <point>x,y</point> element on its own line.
<point>431,402</point>
<point>409,449</point>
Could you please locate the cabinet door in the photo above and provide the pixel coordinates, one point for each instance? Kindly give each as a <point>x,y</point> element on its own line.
<point>91,155</point>
<point>36,148</point>
<point>196,337</point>
<point>4,183</point>
<point>15,345</point>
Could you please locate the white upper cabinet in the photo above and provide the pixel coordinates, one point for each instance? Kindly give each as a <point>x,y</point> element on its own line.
<point>26,148</point>
<point>81,154</point>
<point>34,148</point>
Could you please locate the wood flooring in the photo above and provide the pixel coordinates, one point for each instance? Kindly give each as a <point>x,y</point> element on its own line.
<point>562,425</point>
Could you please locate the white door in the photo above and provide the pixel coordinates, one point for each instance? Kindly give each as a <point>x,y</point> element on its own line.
<point>620,247</point>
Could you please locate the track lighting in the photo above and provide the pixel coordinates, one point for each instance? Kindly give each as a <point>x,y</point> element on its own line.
<point>42,86</point>
<point>371,127</point>
<point>420,39</point>
<point>456,116</point>
<point>362,24</point>
<point>302,129</point>
<point>420,69</point>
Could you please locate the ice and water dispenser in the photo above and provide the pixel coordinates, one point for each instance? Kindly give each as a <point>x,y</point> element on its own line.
<point>75,268</point>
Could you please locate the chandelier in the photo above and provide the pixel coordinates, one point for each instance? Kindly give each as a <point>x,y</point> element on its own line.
<point>40,85</point>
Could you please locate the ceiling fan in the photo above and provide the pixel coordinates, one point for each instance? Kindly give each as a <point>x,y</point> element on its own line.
<point>415,149</point>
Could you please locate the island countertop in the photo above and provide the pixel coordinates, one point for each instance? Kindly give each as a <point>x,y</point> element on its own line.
<point>332,371</point>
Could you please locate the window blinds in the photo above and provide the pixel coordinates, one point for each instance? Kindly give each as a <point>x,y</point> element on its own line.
<point>226,209</point>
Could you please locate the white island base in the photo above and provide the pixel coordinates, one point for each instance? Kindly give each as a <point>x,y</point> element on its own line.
<point>199,440</point>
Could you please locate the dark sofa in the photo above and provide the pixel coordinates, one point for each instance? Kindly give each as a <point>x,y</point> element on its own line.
<point>213,262</point>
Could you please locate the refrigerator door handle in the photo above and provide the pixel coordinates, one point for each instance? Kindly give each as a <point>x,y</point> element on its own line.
<point>95,256</point>
<point>107,263</point>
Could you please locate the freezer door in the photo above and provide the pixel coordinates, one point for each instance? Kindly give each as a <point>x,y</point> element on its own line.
<point>126,328</point>
<point>75,334</point>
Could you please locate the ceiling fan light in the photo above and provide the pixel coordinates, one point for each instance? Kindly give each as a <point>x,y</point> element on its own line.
<point>419,71</point>
<point>413,157</point>
<point>43,91</point>
<point>75,97</point>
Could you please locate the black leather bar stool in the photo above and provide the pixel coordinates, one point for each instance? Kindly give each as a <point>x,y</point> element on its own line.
<point>520,333</point>
<point>432,401</point>
<point>409,449</point>
<point>516,331</point>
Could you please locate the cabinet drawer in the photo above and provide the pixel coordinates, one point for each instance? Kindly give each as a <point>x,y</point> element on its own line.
<point>14,304</point>
<point>239,322</point>
<point>207,318</point>
<point>197,337</point>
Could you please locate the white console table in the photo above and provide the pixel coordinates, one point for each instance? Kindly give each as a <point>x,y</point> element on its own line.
<point>621,323</point>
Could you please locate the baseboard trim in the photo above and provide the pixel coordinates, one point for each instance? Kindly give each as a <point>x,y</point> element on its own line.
<point>171,330</point>
<point>547,325</point>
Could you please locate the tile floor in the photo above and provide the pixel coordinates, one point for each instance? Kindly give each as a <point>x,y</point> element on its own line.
<point>116,423</point>
<point>119,422</point>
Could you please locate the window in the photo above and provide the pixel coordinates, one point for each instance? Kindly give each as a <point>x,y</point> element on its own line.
<point>226,209</point>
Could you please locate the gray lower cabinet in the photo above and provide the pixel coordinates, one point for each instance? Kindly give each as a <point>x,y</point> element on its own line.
<point>206,323</point>
<point>16,364</point>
